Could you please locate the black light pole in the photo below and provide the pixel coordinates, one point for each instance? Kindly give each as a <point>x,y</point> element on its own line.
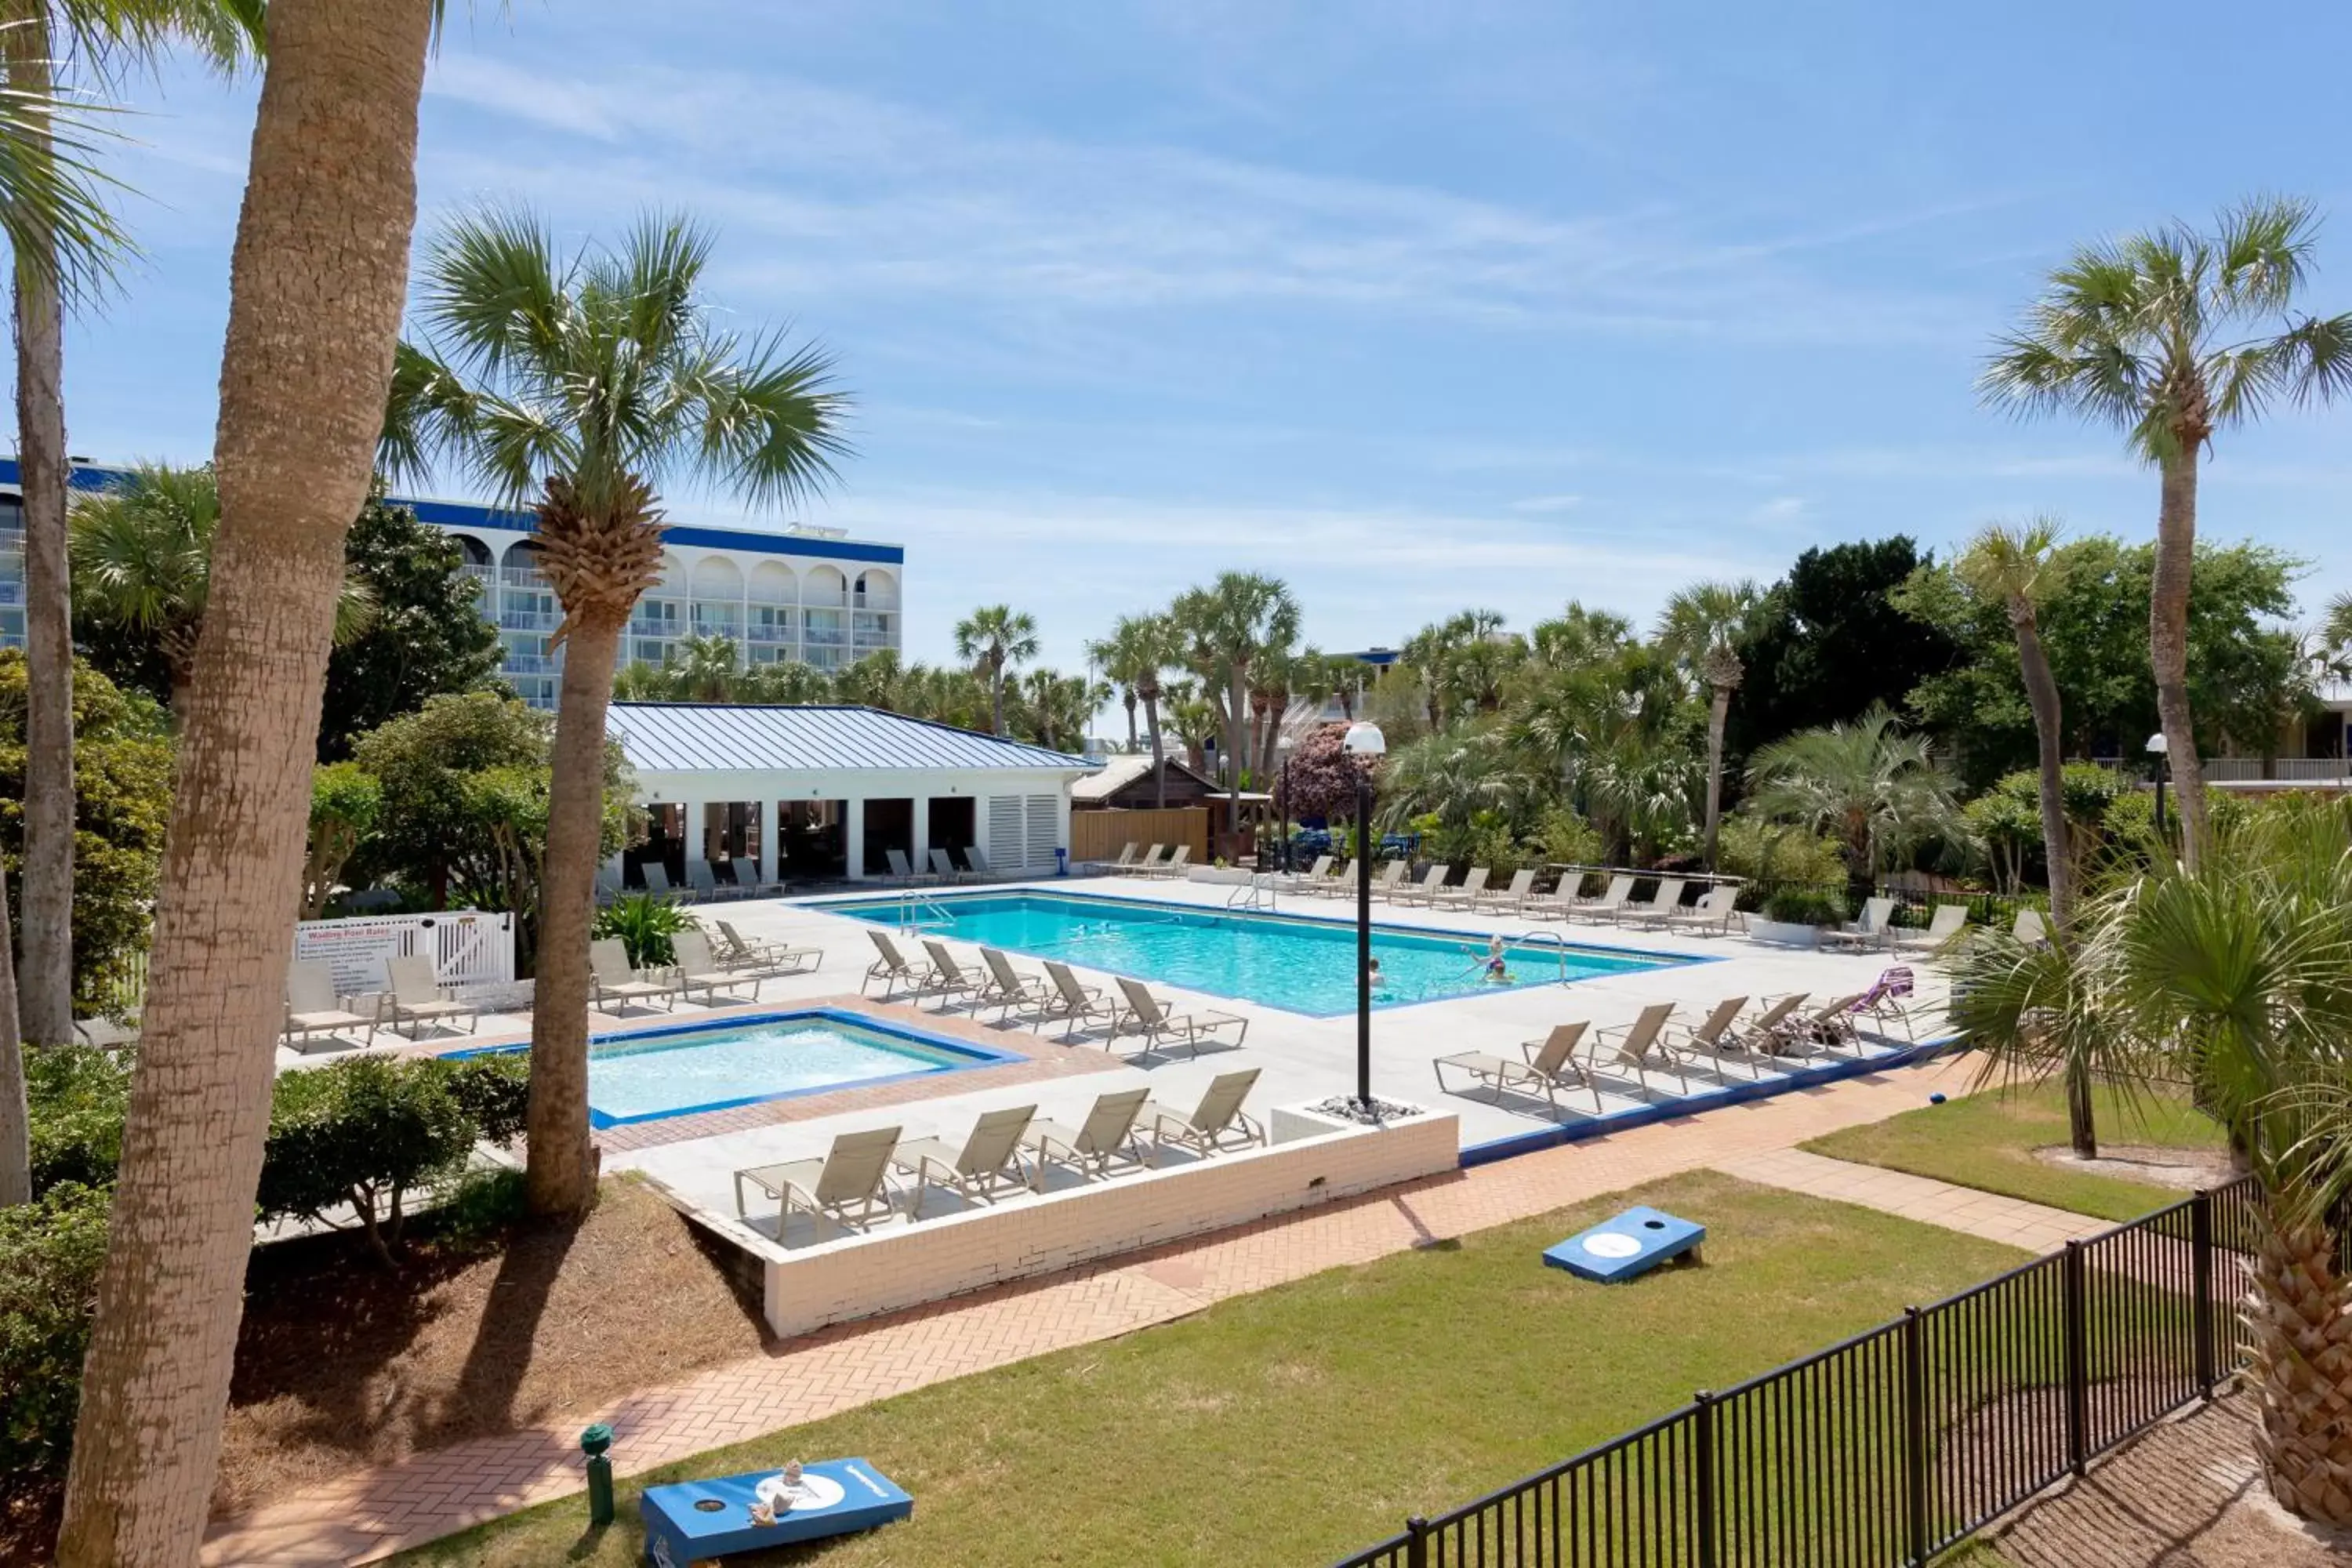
<point>1364,742</point>
<point>2156,749</point>
<point>1286,814</point>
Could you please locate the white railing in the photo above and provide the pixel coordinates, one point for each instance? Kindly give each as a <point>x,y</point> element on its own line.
<point>2283,770</point>
<point>470,947</point>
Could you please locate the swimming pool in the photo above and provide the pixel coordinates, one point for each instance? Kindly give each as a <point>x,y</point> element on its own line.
<point>1301,964</point>
<point>656,1073</point>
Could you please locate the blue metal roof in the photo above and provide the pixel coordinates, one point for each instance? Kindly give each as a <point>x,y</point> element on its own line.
<point>719,737</point>
<point>474,514</point>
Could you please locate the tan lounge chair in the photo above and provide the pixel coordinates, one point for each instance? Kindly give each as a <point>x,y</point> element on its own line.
<point>1309,879</point>
<point>1341,886</point>
<point>1465,894</point>
<point>1150,862</point>
<point>1867,931</point>
<point>1604,905</point>
<point>846,1186</point>
<point>707,886</point>
<point>1424,891</point>
<point>1076,1005</point>
<point>988,1160</point>
<point>1146,1016</point>
<point>1513,899</point>
<point>977,858</point>
<point>1088,1148</point>
<point>903,870</point>
<point>891,968</point>
<point>748,878</point>
<point>1389,879</point>
<point>1012,991</point>
<point>1174,865</point>
<point>1639,1046</point>
<point>943,865</point>
<point>1715,1034</point>
<point>1946,925</point>
<point>698,969</point>
<point>1658,908</point>
<point>1767,1032</point>
<point>656,878</point>
<point>312,1008</point>
<point>1549,1066</point>
<point>1217,1122</point>
<point>414,995</point>
<point>770,960</point>
<point>949,980</point>
<point>2030,928</point>
<point>613,980</point>
<point>1713,915</point>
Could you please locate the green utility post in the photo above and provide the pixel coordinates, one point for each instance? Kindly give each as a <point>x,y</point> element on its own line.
<point>592,1443</point>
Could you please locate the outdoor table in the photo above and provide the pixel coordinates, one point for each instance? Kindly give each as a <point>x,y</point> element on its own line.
<point>692,1521</point>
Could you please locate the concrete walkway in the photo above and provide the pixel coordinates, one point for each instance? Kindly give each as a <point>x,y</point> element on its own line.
<point>2033,1226</point>
<point>370,1514</point>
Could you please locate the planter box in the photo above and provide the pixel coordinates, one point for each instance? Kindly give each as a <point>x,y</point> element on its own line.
<point>1780,933</point>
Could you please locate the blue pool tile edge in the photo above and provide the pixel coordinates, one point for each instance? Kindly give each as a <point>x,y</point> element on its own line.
<point>1537,1140</point>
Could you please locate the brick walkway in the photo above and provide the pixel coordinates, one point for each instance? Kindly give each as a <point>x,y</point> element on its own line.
<point>2033,1226</point>
<point>370,1514</point>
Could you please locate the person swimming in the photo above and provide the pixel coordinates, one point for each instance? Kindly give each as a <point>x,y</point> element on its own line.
<point>1498,972</point>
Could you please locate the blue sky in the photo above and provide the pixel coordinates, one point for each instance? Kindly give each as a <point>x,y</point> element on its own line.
<point>1418,306</point>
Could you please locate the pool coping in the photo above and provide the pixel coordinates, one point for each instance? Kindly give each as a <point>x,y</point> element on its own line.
<point>970,1054</point>
<point>837,903</point>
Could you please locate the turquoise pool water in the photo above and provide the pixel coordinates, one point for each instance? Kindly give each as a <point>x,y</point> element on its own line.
<point>676,1072</point>
<point>1302,965</point>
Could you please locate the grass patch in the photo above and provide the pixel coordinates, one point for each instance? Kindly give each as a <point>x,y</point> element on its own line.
<point>1301,1422</point>
<point>1987,1141</point>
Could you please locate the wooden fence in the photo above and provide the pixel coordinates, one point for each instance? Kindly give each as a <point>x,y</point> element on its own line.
<point>1099,835</point>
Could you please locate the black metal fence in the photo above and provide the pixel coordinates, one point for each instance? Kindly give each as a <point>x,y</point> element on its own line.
<point>1887,1450</point>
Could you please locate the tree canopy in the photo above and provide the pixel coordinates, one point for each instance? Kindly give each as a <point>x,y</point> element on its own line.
<point>426,634</point>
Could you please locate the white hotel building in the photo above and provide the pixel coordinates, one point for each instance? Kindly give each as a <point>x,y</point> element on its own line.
<point>799,593</point>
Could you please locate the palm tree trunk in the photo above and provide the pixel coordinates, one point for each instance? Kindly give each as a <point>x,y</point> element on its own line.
<point>1159,756</point>
<point>996,692</point>
<point>2167,641</point>
<point>44,997</point>
<point>1236,708</point>
<point>1718,714</point>
<point>317,282</point>
<point>1130,718</point>
<point>2298,1315</point>
<point>15,1117</point>
<point>560,1176</point>
<point>2042,696</point>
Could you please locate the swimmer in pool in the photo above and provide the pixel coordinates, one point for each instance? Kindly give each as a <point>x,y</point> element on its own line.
<point>1497,972</point>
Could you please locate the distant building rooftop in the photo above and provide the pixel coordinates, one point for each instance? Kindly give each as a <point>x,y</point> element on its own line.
<point>711,737</point>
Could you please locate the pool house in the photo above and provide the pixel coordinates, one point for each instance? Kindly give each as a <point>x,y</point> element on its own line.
<point>825,793</point>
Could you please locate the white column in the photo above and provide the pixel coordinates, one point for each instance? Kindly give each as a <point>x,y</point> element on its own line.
<point>853,838</point>
<point>772,848</point>
<point>922,850</point>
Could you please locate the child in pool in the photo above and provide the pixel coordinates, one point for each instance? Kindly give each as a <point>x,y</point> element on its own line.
<point>1497,972</point>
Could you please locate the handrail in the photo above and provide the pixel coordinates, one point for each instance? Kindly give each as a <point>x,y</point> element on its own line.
<point>1258,893</point>
<point>935,916</point>
<point>1541,938</point>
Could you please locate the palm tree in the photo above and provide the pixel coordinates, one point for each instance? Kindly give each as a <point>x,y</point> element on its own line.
<point>142,558</point>
<point>1877,791</point>
<point>315,281</point>
<point>1700,629</point>
<point>2230,977</point>
<point>1138,649</point>
<point>1057,706</point>
<point>1193,719</point>
<point>1230,626</point>
<point>2335,638</point>
<point>2171,336</point>
<point>993,636</point>
<point>65,244</point>
<point>587,380</point>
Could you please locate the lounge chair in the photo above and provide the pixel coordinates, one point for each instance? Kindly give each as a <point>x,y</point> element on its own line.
<point>1658,908</point>
<point>1150,862</point>
<point>1551,1065</point>
<point>1639,1046</point>
<point>1010,990</point>
<point>1513,899</point>
<point>1309,879</point>
<point>1867,932</point>
<point>1076,1005</point>
<point>1389,878</point>
<point>1146,1016</point>
<point>846,1186</point>
<point>1769,1030</point>
<point>1088,1148</point>
<point>1126,858</point>
<point>903,870</point>
<point>414,995</point>
<point>1174,866</point>
<point>1713,915</point>
<point>943,865</point>
<point>703,878</point>
<point>1217,1122</point>
<point>1829,1025</point>
<point>613,980</point>
<point>656,878</point>
<point>2030,928</point>
<point>772,959</point>
<point>1944,926</point>
<point>1603,905</point>
<point>977,858</point>
<point>892,969</point>
<point>1464,896</point>
<point>748,878</point>
<point>949,980</point>
<point>698,969</point>
<point>1424,891</point>
<point>989,1158</point>
<point>1884,1003</point>
<point>1716,1033</point>
<point>608,885</point>
<point>1342,886</point>
<point>312,1007</point>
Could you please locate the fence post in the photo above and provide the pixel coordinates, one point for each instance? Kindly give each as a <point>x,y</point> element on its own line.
<point>1703,1489</point>
<point>1416,1542</point>
<point>2077,1336</point>
<point>2200,1247</point>
<point>1914,1436</point>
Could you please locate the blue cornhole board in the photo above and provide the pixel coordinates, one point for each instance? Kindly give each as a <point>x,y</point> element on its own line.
<point>1633,1243</point>
<point>679,1532</point>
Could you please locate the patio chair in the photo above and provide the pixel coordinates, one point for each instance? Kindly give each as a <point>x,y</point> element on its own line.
<point>656,877</point>
<point>1076,1005</point>
<point>1638,1045</point>
<point>977,858</point>
<point>414,995</point>
<point>1713,915</point>
<point>949,980</point>
<point>1424,891</point>
<point>1342,886</point>
<point>2030,928</point>
<point>608,885</point>
<point>698,969</point>
<point>1550,1066</point>
<point>1465,894</point>
<point>1126,858</point>
<point>312,1007</point>
<point>1174,866</point>
<point>1146,1016</point>
<point>1389,878</point>
<point>1009,989</point>
<point>614,981</point>
<point>903,870</point>
<point>1603,905</point>
<point>1946,925</point>
<point>989,1158</point>
<point>1308,880</point>
<point>1769,1030</point>
<point>747,877</point>
<point>846,1186</point>
<point>1216,1123</point>
<point>943,865</point>
<point>773,960</point>
<point>1866,932</point>
<point>1512,899</point>
<point>1087,1148</point>
<point>892,969</point>
<point>1150,862</point>
<point>704,880</point>
<point>1658,908</point>
<point>1829,1025</point>
<point>1884,1003</point>
<point>1715,1034</point>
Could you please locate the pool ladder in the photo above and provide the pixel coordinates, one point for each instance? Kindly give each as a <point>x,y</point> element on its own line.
<point>920,914</point>
<point>1551,938</point>
<point>1257,895</point>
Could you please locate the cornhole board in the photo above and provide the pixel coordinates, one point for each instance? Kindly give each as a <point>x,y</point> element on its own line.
<point>1633,1243</point>
<point>838,1497</point>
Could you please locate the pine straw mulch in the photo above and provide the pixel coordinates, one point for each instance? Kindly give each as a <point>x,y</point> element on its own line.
<point>342,1364</point>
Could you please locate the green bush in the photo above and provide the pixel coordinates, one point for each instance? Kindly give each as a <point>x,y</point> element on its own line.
<point>1567,839</point>
<point>495,1090</point>
<point>645,923</point>
<point>365,1132</point>
<point>1805,906</point>
<point>77,1095</point>
<point>1763,851</point>
<point>50,1250</point>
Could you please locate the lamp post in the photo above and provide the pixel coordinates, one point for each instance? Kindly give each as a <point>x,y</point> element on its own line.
<point>1285,813</point>
<point>2155,748</point>
<point>1365,744</point>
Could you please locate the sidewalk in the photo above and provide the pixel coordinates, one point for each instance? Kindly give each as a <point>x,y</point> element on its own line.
<point>370,1514</point>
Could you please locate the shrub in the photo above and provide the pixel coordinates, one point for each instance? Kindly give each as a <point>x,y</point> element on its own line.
<point>1762,851</point>
<point>645,923</point>
<point>50,1250</point>
<point>365,1133</point>
<point>77,1095</point>
<point>1805,906</point>
<point>1568,839</point>
<point>495,1090</point>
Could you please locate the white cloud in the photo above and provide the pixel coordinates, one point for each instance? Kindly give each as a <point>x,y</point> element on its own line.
<point>1547,503</point>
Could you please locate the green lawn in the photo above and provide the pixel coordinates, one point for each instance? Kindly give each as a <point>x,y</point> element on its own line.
<point>1987,1140</point>
<point>1291,1426</point>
